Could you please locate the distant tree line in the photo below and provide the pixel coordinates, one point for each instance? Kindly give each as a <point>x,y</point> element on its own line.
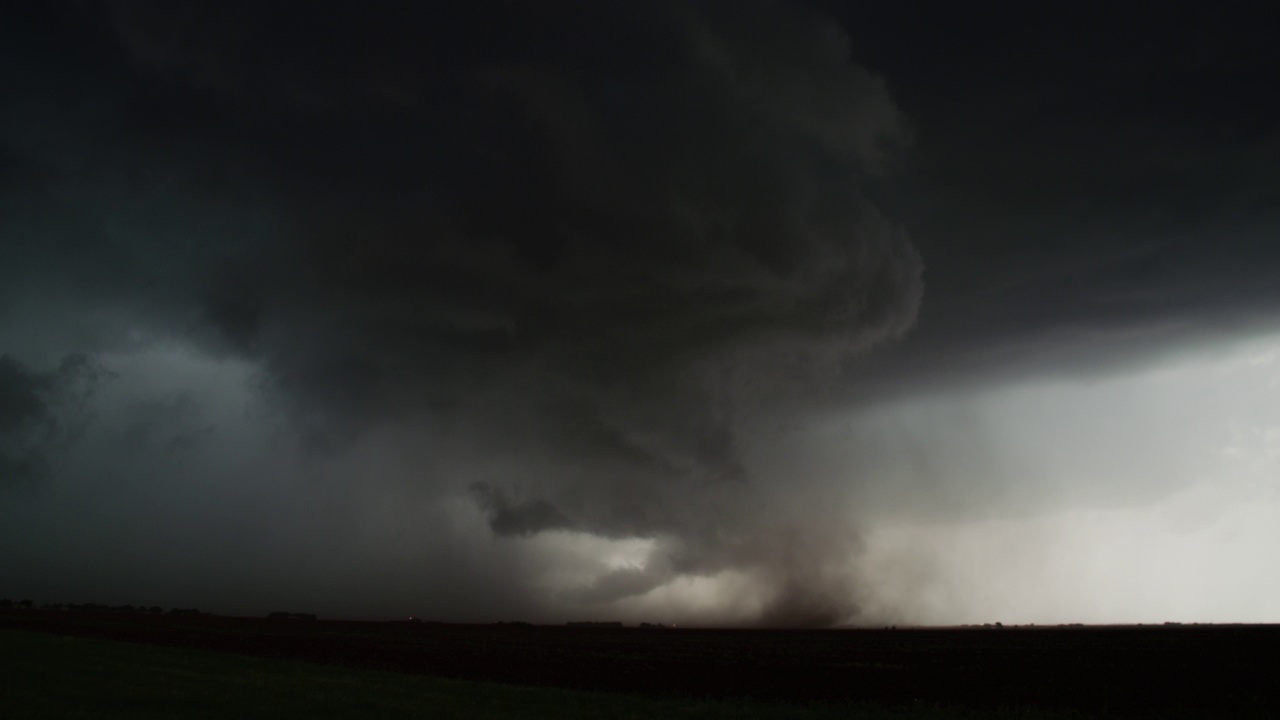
<point>7,604</point>
<point>290,616</point>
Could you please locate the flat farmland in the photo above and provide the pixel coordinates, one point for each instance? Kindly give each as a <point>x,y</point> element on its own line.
<point>1161,671</point>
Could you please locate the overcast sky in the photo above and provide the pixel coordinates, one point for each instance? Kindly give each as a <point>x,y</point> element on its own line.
<point>755,312</point>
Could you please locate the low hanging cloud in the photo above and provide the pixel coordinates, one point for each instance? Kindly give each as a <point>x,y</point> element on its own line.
<point>41,413</point>
<point>602,253</point>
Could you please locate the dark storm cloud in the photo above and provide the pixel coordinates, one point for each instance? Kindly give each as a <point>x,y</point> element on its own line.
<point>1092,185</point>
<point>610,192</point>
<point>465,297</point>
<point>41,412</point>
<point>598,249</point>
<point>519,518</point>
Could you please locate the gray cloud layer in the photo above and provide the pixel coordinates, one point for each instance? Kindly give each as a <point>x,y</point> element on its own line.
<point>41,413</point>
<point>598,251</point>
<point>582,310</point>
<point>1088,194</point>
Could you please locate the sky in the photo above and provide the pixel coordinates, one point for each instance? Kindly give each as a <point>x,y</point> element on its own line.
<point>699,312</point>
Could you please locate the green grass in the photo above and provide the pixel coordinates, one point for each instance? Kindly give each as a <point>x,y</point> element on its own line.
<point>51,676</point>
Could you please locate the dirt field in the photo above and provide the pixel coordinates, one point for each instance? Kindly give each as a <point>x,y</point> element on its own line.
<point>1184,670</point>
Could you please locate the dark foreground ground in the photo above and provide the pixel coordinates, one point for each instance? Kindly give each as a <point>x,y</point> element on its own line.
<point>1187,671</point>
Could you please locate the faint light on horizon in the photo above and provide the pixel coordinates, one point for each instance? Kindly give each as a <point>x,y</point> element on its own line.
<point>1144,497</point>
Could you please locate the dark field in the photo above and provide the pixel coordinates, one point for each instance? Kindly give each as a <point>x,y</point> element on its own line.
<point>1185,671</point>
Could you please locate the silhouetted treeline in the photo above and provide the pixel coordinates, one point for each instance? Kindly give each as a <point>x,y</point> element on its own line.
<point>7,604</point>
<point>290,616</point>
<point>590,623</point>
<point>186,611</point>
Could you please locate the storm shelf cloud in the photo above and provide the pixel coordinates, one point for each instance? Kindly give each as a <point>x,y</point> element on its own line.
<point>543,310</point>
